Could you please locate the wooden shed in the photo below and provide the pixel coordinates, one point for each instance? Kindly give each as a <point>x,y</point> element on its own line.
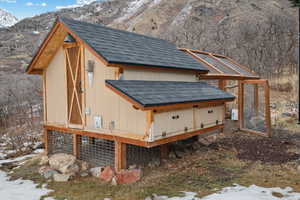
<point>113,97</point>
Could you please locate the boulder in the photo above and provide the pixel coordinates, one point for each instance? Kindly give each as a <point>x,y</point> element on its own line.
<point>69,169</point>
<point>62,162</point>
<point>84,166</point>
<point>47,172</point>
<point>107,174</point>
<point>62,177</point>
<point>84,174</point>
<point>128,176</point>
<point>44,160</point>
<point>96,171</point>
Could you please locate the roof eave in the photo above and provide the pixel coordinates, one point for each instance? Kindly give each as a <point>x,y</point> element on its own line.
<point>30,68</point>
<point>187,104</point>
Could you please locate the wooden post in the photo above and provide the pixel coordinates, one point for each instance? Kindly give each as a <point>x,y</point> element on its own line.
<point>46,141</point>
<point>241,104</point>
<point>75,145</point>
<point>267,109</point>
<point>256,99</point>
<point>120,156</point>
<point>164,151</point>
<point>222,86</point>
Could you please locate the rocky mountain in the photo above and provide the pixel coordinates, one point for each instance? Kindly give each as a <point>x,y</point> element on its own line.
<point>7,19</point>
<point>259,34</point>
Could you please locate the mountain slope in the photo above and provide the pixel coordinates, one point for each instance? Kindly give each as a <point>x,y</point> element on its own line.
<point>259,34</point>
<point>7,19</point>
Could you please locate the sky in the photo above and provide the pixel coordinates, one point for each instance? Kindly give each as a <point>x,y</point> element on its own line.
<point>28,8</point>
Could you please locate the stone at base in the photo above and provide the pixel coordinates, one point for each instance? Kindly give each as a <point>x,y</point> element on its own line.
<point>128,176</point>
<point>61,177</point>
<point>96,171</point>
<point>47,172</point>
<point>107,174</point>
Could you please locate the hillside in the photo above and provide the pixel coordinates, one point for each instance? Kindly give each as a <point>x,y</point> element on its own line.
<point>259,34</point>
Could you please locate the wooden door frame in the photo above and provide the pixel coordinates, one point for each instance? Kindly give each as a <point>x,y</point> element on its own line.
<point>75,93</point>
<point>255,83</point>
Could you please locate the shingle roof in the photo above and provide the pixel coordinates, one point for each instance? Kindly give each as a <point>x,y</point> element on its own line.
<point>122,47</point>
<point>158,93</point>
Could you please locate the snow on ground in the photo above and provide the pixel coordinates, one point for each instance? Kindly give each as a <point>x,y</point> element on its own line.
<point>20,189</point>
<point>238,192</point>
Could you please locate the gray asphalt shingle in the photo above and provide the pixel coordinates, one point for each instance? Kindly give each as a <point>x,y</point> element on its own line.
<point>157,93</point>
<point>122,47</point>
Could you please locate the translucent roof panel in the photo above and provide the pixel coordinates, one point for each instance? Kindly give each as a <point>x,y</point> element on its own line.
<point>234,66</point>
<point>215,63</point>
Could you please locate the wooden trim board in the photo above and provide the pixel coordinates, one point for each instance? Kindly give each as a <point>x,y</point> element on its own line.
<point>136,142</point>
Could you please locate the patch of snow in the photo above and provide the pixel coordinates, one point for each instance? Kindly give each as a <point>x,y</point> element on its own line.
<point>132,8</point>
<point>7,19</point>
<point>238,192</point>
<point>39,151</point>
<point>154,2</point>
<point>79,3</point>
<point>20,189</point>
<point>183,14</point>
<point>16,159</point>
<point>36,32</point>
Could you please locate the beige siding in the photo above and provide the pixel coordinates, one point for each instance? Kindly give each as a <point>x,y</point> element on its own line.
<point>142,74</point>
<point>56,96</point>
<point>103,102</point>
<point>209,116</point>
<point>189,120</point>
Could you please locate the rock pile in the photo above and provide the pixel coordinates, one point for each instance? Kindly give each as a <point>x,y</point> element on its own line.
<point>63,167</point>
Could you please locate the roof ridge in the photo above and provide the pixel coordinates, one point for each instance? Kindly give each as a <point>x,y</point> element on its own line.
<point>114,29</point>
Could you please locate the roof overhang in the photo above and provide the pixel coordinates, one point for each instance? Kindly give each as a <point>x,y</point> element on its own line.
<point>167,106</point>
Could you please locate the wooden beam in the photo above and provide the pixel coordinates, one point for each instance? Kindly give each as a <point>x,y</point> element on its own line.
<point>120,156</point>
<point>45,96</point>
<point>268,110</point>
<point>149,122</point>
<point>226,77</point>
<point>256,99</point>
<point>76,143</point>
<point>241,104</point>
<point>164,151</point>
<point>67,45</point>
<point>182,108</point>
<point>41,49</point>
<point>46,141</point>
<point>126,140</point>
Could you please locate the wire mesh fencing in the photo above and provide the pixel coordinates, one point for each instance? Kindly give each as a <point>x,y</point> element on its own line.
<point>59,142</point>
<point>254,108</point>
<point>141,156</point>
<point>99,152</point>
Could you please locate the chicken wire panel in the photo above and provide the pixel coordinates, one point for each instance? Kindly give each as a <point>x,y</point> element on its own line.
<point>59,142</point>
<point>136,155</point>
<point>98,152</point>
<point>254,110</point>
